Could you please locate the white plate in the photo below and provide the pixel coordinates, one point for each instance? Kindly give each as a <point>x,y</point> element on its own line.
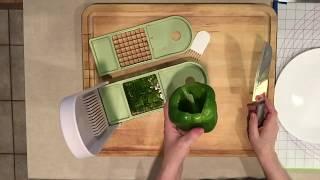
<point>297,96</point>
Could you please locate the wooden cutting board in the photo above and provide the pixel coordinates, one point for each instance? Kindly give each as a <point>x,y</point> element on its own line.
<point>231,59</point>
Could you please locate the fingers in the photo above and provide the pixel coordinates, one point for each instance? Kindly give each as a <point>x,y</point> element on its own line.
<point>192,136</point>
<point>270,107</point>
<point>252,107</point>
<point>170,132</point>
<point>167,122</point>
<point>181,132</point>
<point>165,111</point>
<point>272,112</point>
<point>253,126</point>
<point>271,121</point>
<point>260,97</point>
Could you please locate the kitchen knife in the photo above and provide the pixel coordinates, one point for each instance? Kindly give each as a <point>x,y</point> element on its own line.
<point>261,83</point>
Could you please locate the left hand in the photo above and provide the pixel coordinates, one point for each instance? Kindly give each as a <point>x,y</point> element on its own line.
<point>176,147</point>
<point>177,143</point>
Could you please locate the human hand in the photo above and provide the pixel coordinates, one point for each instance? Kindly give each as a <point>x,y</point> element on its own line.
<point>176,142</point>
<point>176,147</point>
<point>263,138</point>
<point>263,141</point>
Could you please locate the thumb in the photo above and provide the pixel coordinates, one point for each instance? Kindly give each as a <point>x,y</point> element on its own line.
<point>253,126</point>
<point>192,136</point>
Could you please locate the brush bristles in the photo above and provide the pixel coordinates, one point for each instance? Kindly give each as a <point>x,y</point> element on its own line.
<point>193,54</point>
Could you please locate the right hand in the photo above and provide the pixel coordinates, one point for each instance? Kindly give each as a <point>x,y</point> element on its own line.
<point>263,139</point>
<point>263,142</point>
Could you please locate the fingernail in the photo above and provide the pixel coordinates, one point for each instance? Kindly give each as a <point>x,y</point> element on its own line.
<point>200,130</point>
<point>251,116</point>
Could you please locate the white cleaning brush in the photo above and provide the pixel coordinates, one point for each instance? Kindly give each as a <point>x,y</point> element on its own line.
<point>198,45</point>
<point>84,123</point>
<point>95,112</point>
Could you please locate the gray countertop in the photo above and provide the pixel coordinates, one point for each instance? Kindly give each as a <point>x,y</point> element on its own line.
<point>53,71</point>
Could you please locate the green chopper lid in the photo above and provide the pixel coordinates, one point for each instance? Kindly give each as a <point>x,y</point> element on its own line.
<point>141,44</point>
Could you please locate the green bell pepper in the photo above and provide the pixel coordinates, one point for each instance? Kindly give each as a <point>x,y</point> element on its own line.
<point>193,105</point>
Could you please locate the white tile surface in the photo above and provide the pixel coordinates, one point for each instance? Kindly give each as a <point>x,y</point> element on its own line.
<point>290,14</point>
<point>300,6</point>
<point>290,24</point>
<point>300,14</point>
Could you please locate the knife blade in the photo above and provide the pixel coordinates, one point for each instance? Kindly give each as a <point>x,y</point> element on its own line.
<point>261,81</point>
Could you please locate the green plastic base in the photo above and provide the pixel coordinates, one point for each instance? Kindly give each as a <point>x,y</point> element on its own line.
<point>165,37</point>
<point>115,101</point>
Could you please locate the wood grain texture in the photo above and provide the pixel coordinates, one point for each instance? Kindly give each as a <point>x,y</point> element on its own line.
<point>237,36</point>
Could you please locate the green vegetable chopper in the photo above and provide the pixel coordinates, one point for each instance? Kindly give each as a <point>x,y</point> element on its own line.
<point>141,44</point>
<point>88,118</point>
<point>91,116</point>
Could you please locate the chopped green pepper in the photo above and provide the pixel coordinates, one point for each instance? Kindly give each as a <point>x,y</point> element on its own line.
<point>143,94</point>
<point>193,105</point>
